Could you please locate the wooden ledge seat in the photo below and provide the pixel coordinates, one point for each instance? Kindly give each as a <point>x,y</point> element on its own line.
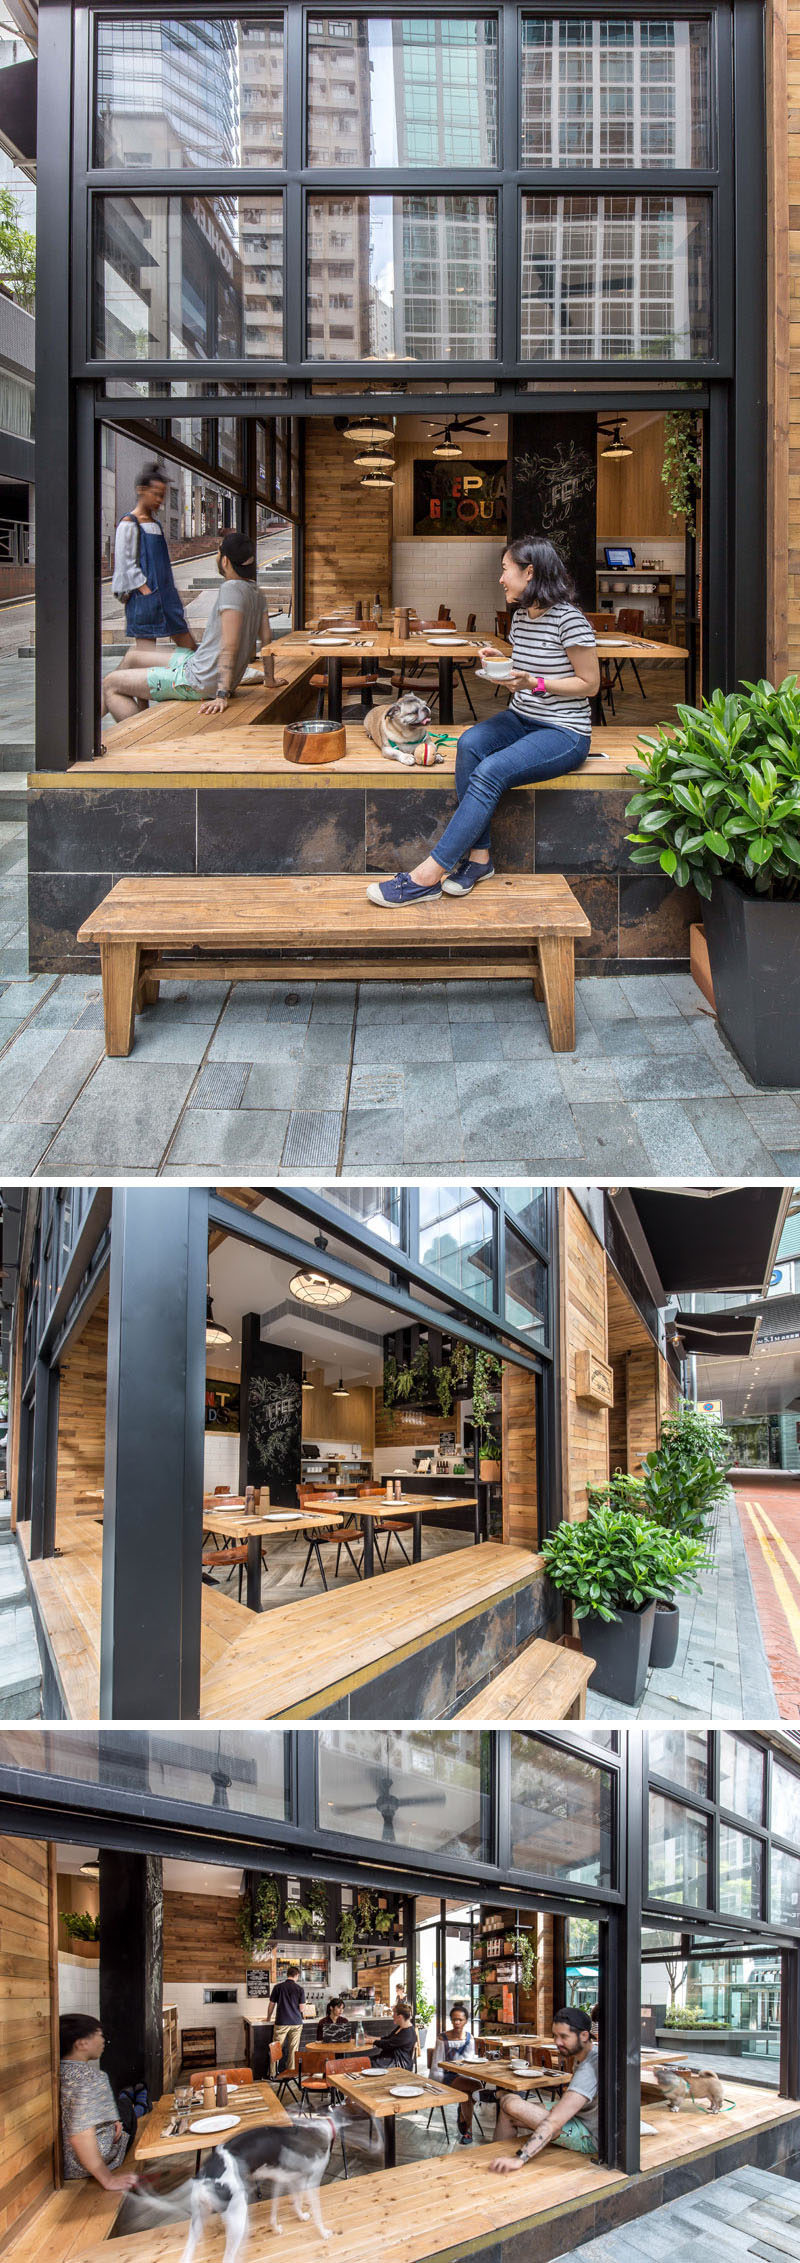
<point>292,1662</point>
<point>544,1683</point>
<point>324,929</point>
<point>181,719</point>
<point>246,746</point>
<point>67,2225</point>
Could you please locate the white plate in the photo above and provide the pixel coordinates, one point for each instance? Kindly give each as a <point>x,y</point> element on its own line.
<point>212,2123</point>
<point>487,679</point>
<point>407,2090</point>
<point>444,643</point>
<point>620,643</point>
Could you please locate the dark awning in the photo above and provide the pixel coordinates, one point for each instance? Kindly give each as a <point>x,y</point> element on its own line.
<point>715,1335</point>
<point>709,1240</point>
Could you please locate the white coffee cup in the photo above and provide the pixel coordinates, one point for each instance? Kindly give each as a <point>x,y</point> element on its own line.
<point>498,669</point>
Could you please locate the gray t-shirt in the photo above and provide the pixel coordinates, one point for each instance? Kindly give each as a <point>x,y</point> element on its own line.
<point>88,2102</point>
<point>202,666</point>
<point>582,2091</point>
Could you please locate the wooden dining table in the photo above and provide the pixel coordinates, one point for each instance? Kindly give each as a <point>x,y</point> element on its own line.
<point>250,2101</point>
<point>380,645</point>
<point>371,1509</point>
<point>373,2093</point>
<point>498,2076</point>
<point>228,1518</point>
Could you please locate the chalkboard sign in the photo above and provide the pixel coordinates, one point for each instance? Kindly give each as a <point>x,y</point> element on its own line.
<point>259,1980</point>
<point>271,1416</point>
<point>554,489</point>
<point>460,498</point>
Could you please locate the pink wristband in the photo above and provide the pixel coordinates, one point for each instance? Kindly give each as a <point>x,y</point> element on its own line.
<point>538,683</point>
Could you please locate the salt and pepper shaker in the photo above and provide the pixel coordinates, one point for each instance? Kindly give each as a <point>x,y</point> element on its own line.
<point>249,1500</point>
<point>209,2094</point>
<point>222,2091</point>
<point>398,1489</point>
<point>389,1490</point>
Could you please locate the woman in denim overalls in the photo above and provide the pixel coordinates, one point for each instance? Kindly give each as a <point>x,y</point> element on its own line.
<point>145,582</point>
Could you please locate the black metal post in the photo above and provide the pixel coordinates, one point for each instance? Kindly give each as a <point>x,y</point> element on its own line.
<point>131,1968</point>
<point>56,654</point>
<point>43,1460</point>
<point>445,690</point>
<point>790,2023</point>
<point>153,1528</point>
<point>251,1338</point>
<point>749,394</point>
<point>620,1993</point>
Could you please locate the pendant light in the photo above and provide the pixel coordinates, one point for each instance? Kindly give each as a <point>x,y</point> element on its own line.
<point>340,1390</point>
<point>377,479</point>
<point>374,459</point>
<point>91,1869</point>
<point>306,1384</point>
<point>216,1333</point>
<point>315,1287</point>
<point>616,447</point>
<point>446,449</point>
<point>368,428</point>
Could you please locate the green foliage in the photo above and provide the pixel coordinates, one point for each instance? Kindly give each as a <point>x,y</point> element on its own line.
<point>617,1561</point>
<point>677,2018</point>
<point>17,253</point>
<point>443,1385</point>
<point>310,1916</point>
<point>486,1375</point>
<point>525,1948</point>
<point>621,1492</point>
<point>425,2010</point>
<point>80,1924</point>
<point>258,1915</point>
<point>348,1932</point>
<point>685,1478</point>
<point>721,793</point>
<point>681,467</point>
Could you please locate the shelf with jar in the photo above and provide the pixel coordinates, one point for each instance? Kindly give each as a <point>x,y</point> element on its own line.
<point>504,1970</point>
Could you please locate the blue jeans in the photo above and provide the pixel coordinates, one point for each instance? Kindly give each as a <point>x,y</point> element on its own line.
<point>508,750</point>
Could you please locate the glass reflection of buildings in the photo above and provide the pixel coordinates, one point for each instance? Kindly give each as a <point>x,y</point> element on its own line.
<point>445,92</point>
<point>344,313</point>
<point>621,274</point>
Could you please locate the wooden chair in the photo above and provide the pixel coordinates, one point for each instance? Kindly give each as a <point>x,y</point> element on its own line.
<point>230,2074</point>
<point>630,622</point>
<point>226,1559</point>
<point>283,2082</point>
<point>313,2062</point>
<point>335,1536</point>
<point>345,2066</point>
<point>430,2055</point>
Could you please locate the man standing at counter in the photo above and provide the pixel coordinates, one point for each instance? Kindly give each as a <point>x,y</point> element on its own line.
<point>287,2000</point>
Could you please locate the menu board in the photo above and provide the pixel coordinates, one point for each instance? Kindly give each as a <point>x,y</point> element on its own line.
<point>259,1980</point>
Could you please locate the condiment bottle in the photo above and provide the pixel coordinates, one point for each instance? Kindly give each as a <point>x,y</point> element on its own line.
<point>222,2090</point>
<point>377,610</point>
<point>209,2096</point>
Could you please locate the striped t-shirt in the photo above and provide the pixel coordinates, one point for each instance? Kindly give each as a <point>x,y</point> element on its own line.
<point>539,645</point>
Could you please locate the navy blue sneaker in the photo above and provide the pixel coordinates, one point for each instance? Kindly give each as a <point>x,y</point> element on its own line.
<point>401,890</point>
<point>466,876</point>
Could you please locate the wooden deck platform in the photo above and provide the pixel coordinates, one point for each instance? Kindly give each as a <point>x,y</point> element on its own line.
<point>451,2205</point>
<point>67,1593</point>
<point>239,749</point>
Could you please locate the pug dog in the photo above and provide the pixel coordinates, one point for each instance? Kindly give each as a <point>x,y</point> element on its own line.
<point>678,2083</point>
<point>401,731</point>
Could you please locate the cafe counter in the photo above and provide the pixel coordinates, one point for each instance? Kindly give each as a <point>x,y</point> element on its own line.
<point>259,2029</point>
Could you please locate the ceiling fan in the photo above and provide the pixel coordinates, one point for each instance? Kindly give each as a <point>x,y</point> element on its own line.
<point>387,1803</point>
<point>447,444</point>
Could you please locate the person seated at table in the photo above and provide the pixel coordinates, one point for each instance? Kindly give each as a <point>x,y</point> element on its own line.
<point>237,623</point>
<point>545,732</point>
<point>94,2141</point>
<point>334,2028</point>
<point>571,2118</point>
<point>287,1999</point>
<point>454,2044</point>
<point>399,2048</point>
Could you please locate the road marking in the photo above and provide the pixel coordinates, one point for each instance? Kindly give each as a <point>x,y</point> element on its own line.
<point>780,1583</point>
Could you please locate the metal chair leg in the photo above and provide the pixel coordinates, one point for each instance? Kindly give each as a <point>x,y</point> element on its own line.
<point>315,1546</point>
<point>638,679</point>
<point>465,688</point>
<point>308,1560</point>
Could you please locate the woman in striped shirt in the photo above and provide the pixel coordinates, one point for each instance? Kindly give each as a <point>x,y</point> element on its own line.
<point>545,731</point>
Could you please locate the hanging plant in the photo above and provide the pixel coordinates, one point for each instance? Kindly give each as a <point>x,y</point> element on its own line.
<point>486,1374</point>
<point>347,1932</point>
<point>81,1925</point>
<point>390,1375</point>
<point>461,1362</point>
<point>266,1910</point>
<point>443,1384</point>
<point>244,1922</point>
<point>310,1916</point>
<point>681,468</point>
<point>525,1946</point>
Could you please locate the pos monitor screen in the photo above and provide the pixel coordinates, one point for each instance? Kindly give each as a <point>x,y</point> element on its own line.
<point>618,555</point>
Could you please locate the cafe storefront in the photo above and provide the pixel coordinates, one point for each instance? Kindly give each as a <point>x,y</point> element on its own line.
<point>522,244</point>
<point>539,1836</point>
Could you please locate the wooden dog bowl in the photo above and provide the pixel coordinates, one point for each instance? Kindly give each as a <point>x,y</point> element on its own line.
<point>314,742</point>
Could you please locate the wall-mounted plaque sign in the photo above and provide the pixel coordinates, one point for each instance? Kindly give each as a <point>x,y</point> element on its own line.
<point>460,498</point>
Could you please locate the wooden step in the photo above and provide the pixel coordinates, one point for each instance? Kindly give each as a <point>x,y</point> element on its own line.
<point>68,2226</point>
<point>543,1683</point>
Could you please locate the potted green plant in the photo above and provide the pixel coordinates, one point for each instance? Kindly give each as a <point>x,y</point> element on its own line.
<point>425,2011</point>
<point>717,805</point>
<point>83,1931</point>
<point>486,1374</point>
<point>683,1481</point>
<point>613,1568</point>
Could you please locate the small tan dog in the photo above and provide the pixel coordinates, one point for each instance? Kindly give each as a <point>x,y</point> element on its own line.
<point>679,2083</point>
<point>401,730</point>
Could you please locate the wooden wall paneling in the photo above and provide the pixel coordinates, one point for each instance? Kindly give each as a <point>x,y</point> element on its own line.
<point>583,1326</point>
<point>348,539</point>
<point>631,497</point>
<point>642,1405</point>
<point>783,282</point>
<point>545,2003</point>
<point>201,1938</point>
<point>407,1426</point>
<point>618,1418</point>
<point>28,2038</point>
<point>82,1419</point>
<point>520,1499</point>
<point>626,1328</point>
<point>340,1420</point>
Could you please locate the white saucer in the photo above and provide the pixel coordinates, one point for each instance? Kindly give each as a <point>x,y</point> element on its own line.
<point>212,2123</point>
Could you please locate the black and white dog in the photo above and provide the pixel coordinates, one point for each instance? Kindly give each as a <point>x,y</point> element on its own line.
<point>290,2157</point>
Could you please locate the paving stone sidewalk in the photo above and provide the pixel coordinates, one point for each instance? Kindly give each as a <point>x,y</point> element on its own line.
<point>720,1671</point>
<point>432,1078</point>
<point>751,2213</point>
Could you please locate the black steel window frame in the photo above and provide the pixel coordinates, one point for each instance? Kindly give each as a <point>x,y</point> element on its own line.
<point>161,427</point>
<point>509,181</point>
<point>708,1808</point>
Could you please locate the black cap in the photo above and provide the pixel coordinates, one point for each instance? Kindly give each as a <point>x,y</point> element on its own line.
<point>241,551</point>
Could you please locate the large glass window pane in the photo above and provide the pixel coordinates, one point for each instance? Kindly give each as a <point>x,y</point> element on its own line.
<point>525,1287</point>
<point>740,1869</point>
<point>682,1756</point>
<point>785,1888</point>
<point>456,1239</point>
<point>678,1867</point>
<point>561,1814</point>
<point>199,91</point>
<point>413,1789</point>
<point>379,1208</point>
<point>390,91</point>
<point>741,1777</point>
<point>529,1206</point>
<point>189,278</point>
<point>786,1804</point>
<point>616,277</point>
<point>404,278</point>
<point>615,91</point>
<point>243,1771</point>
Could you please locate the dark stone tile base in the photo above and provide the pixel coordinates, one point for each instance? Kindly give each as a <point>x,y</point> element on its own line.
<point>81,839</point>
<point>443,1673</point>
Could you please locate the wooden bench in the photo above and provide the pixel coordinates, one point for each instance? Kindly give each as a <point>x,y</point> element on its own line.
<point>66,2225</point>
<point>324,928</point>
<point>251,704</point>
<point>544,1683</point>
